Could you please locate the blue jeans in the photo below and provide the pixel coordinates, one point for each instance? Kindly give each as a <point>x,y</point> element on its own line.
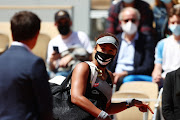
<point>131,78</point>
<point>62,73</point>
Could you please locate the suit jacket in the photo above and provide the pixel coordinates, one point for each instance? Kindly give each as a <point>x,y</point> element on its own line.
<point>143,58</point>
<point>171,96</point>
<point>24,89</point>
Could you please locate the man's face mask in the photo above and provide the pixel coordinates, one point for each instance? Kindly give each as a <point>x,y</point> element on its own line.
<point>103,59</point>
<point>64,29</point>
<point>175,29</point>
<point>129,28</point>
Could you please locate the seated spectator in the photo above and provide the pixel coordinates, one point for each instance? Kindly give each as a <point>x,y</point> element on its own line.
<point>145,26</point>
<point>68,48</point>
<point>167,54</point>
<point>160,11</point>
<point>134,60</point>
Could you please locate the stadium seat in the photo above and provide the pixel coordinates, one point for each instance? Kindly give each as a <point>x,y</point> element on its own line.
<point>158,107</point>
<point>41,46</point>
<point>4,42</point>
<point>149,89</point>
<point>100,4</point>
<point>131,113</point>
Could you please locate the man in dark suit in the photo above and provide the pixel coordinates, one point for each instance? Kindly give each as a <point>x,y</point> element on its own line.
<point>24,89</point>
<point>135,57</point>
<point>171,96</point>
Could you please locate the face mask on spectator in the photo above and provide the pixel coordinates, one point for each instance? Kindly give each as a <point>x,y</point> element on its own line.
<point>128,1</point>
<point>129,28</point>
<point>166,1</point>
<point>64,29</point>
<point>175,29</point>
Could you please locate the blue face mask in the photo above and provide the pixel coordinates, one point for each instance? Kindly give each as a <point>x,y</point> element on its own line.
<point>175,29</point>
<point>166,1</point>
<point>128,1</point>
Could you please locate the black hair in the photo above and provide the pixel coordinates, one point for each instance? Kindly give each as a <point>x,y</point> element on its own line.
<point>24,25</point>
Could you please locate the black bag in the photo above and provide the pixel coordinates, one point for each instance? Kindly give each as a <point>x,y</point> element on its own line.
<point>63,109</point>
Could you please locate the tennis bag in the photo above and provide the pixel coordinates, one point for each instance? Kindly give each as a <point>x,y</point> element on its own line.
<point>63,109</point>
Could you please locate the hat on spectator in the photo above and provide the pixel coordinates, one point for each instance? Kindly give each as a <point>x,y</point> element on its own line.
<point>61,14</point>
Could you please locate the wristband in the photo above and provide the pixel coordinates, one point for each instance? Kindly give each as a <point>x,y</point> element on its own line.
<point>129,103</point>
<point>102,115</point>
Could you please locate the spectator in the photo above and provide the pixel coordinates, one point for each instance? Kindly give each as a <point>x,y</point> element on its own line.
<point>73,46</point>
<point>25,92</point>
<point>145,25</point>
<point>167,54</point>
<point>134,60</point>
<point>160,11</point>
<point>171,96</point>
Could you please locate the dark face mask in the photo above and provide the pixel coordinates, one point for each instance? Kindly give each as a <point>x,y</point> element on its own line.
<point>64,29</point>
<point>103,59</point>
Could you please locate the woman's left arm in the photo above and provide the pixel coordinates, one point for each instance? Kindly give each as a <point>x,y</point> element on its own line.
<point>114,108</point>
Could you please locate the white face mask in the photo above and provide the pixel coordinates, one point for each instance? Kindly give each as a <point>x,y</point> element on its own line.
<point>129,28</point>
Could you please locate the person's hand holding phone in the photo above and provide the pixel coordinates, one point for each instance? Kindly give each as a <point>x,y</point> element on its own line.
<point>56,49</point>
<point>55,56</point>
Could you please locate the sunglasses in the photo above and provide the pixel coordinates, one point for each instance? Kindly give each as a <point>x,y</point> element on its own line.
<point>132,20</point>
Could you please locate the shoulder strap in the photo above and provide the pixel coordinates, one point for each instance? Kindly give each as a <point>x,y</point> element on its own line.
<point>64,83</point>
<point>94,73</point>
<point>92,78</point>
